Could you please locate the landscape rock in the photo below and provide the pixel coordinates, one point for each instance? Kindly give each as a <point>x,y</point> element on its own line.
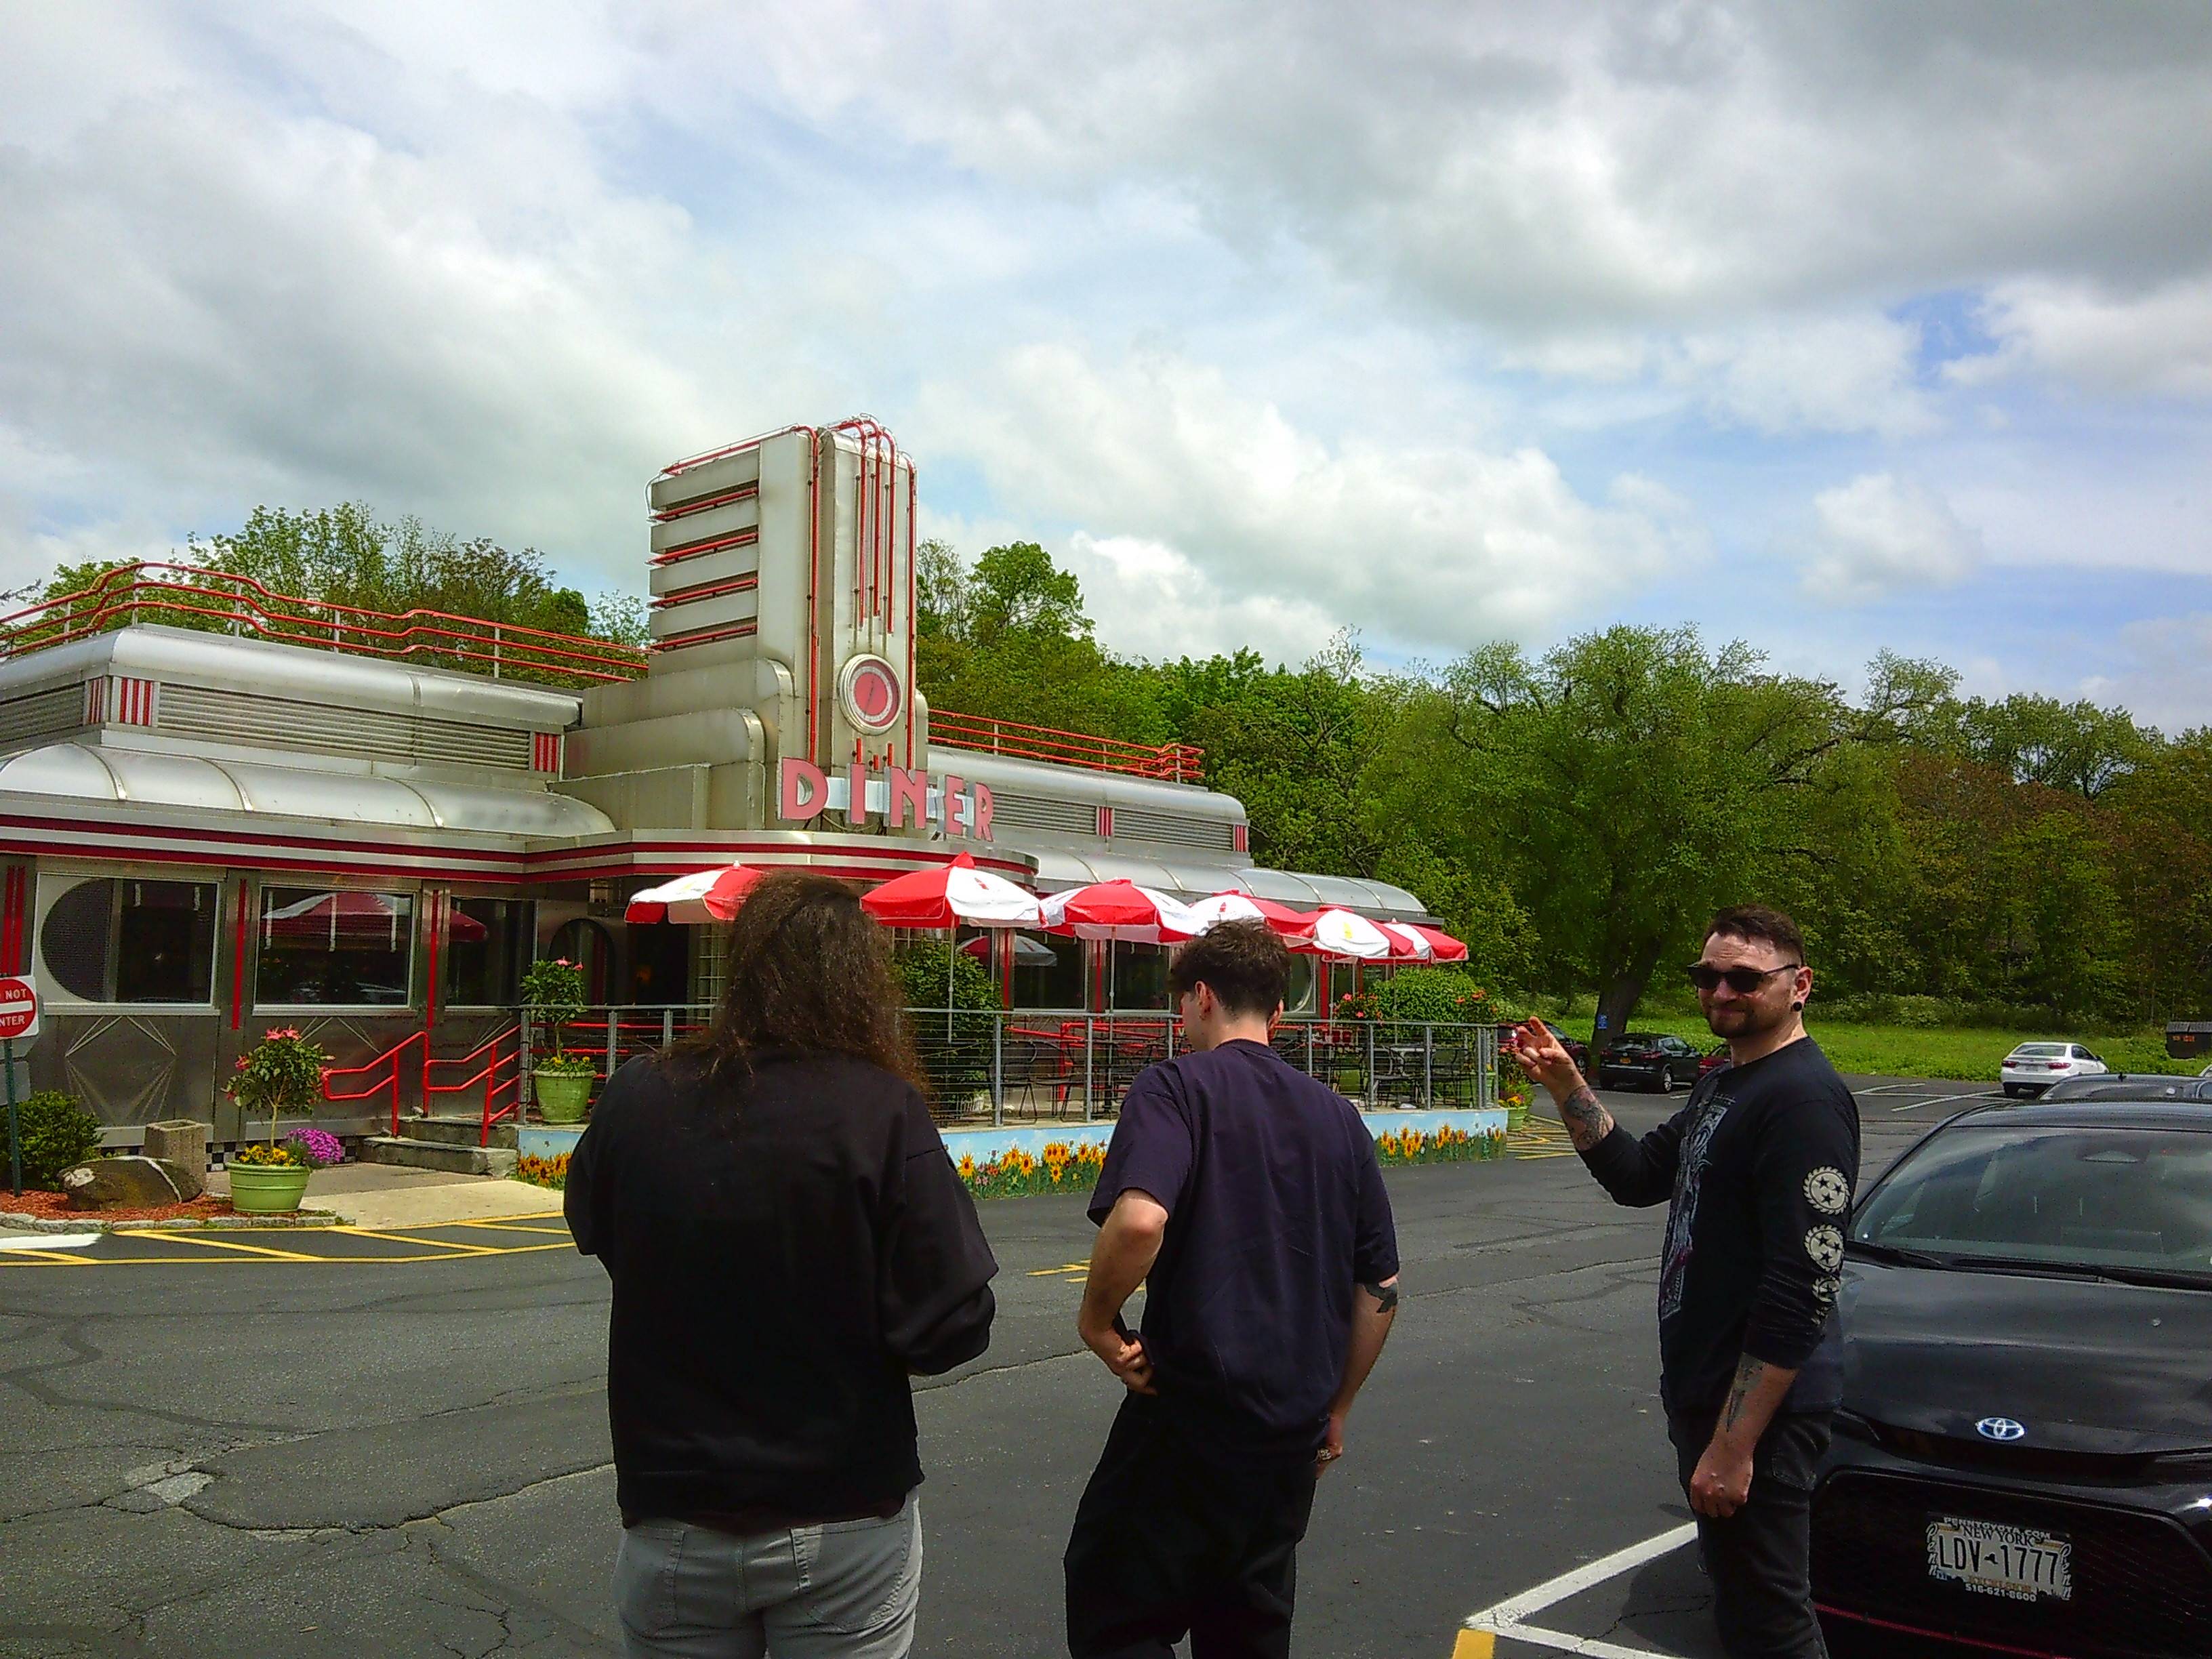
<point>119,1183</point>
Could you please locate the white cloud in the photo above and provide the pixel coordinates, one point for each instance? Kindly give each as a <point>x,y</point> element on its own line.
<point>1182,479</point>
<point>1878,535</point>
<point>2158,341</point>
<point>2168,680</point>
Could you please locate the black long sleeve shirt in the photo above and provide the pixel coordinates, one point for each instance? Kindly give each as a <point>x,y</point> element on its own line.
<point>1759,1168</point>
<point>784,1254</point>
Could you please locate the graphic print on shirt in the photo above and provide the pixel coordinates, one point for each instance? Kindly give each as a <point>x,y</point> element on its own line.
<point>1682,1216</point>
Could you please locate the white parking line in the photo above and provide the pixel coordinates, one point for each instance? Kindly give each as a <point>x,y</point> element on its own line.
<point>1507,1618</point>
<point>47,1241</point>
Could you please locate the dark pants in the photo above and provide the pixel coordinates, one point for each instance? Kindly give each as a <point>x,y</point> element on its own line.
<point>1166,1544</point>
<point>1759,1557</point>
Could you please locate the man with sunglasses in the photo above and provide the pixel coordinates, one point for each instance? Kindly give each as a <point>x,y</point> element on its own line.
<point>1759,1169</point>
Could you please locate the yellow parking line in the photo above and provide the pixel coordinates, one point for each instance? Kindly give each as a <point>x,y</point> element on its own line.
<point>459,1246</point>
<point>43,1258</point>
<point>1474,1644</point>
<point>223,1244</point>
<point>504,1227</point>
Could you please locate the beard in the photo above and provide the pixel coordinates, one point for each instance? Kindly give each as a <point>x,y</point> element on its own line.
<point>1746,1019</point>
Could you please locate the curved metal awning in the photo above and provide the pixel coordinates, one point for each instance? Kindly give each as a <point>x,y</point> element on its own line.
<point>150,778</point>
<point>1188,880</point>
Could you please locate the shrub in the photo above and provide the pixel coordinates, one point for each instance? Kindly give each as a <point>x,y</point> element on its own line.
<point>57,1135</point>
<point>955,1050</point>
<point>1441,996</point>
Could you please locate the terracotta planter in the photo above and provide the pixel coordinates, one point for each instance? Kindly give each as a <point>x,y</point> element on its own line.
<point>562,1097</point>
<point>267,1189</point>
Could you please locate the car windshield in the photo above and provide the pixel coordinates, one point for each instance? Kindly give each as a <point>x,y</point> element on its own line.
<point>2036,1051</point>
<point>2086,1198</point>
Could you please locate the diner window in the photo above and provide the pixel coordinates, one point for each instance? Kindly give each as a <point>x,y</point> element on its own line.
<point>336,947</point>
<point>486,942</point>
<point>1298,996</point>
<point>110,939</point>
<point>1137,977</point>
<point>1048,972</point>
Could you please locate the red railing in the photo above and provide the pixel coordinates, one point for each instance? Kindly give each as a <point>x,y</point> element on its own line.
<point>215,600</point>
<point>1177,762</point>
<point>491,1060</point>
<point>389,1058</point>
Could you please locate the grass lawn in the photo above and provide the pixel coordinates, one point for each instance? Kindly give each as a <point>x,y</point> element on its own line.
<point>1969,1052</point>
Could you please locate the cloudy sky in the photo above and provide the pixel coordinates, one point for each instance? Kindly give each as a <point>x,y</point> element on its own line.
<point>1833,326</point>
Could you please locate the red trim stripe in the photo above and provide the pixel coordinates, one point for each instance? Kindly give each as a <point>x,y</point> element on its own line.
<point>11,923</point>
<point>712,544</point>
<point>96,702</point>
<point>1940,1635</point>
<point>707,591</point>
<point>741,493</point>
<point>1240,838</point>
<point>545,752</point>
<point>1106,823</point>
<point>238,961</point>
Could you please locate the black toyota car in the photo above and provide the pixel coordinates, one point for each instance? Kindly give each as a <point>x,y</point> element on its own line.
<point>2023,1463</point>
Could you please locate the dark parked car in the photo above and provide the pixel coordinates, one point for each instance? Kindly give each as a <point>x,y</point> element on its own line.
<point>2131,1085</point>
<point>1648,1061</point>
<point>2023,1462</point>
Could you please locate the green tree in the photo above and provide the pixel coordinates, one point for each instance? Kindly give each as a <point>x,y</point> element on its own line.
<point>1630,782</point>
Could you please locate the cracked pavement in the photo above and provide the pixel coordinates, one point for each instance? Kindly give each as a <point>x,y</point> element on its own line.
<point>401,1459</point>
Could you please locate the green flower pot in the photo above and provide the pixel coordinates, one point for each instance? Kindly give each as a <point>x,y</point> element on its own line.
<point>1516,1117</point>
<point>267,1189</point>
<point>562,1095</point>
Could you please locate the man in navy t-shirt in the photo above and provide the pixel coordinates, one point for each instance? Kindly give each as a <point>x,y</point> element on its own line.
<point>1246,1197</point>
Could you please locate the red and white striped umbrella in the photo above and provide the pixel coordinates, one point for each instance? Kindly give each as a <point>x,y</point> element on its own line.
<point>1406,944</point>
<point>955,895</point>
<point>1348,936</point>
<point>1442,945</point>
<point>1207,914</point>
<point>704,896</point>
<point>1118,910</point>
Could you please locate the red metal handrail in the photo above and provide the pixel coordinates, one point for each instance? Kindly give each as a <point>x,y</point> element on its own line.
<point>191,591</point>
<point>389,1057</point>
<point>488,1074</point>
<point>151,588</point>
<point>1176,762</point>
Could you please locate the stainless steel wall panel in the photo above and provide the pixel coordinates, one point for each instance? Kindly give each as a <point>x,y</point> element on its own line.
<point>709,478</point>
<point>322,728</point>
<point>41,714</point>
<point>732,519</point>
<point>129,1069</point>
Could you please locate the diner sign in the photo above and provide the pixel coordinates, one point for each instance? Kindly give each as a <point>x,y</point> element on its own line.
<point>899,797</point>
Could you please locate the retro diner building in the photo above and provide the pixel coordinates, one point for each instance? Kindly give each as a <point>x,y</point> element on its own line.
<point>236,811</point>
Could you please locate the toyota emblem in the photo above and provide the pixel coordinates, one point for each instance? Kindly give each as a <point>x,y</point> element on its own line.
<point>2000,1428</point>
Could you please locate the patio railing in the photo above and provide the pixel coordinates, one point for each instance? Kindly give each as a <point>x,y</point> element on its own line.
<point>996,1067</point>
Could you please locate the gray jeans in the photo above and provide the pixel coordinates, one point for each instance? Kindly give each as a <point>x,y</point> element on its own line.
<point>849,1589</point>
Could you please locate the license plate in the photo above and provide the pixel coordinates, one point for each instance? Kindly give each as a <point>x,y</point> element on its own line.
<point>2013,1562</point>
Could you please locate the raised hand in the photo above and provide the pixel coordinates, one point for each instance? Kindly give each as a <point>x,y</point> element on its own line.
<point>1544,1057</point>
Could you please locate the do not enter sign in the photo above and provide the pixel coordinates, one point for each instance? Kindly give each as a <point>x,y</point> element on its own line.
<point>19,1010</point>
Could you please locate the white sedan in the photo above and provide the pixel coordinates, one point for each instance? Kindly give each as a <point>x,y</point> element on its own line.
<point>2035,1067</point>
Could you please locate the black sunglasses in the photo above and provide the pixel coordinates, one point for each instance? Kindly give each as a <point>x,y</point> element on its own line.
<point>1741,980</point>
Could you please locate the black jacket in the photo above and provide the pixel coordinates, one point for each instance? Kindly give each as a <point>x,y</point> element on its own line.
<point>784,1255</point>
<point>1759,1169</point>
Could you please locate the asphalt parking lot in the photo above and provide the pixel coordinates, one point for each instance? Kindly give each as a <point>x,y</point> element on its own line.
<point>400,1447</point>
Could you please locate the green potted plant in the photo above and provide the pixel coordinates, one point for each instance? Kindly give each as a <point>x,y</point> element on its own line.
<point>554,989</point>
<point>283,1073</point>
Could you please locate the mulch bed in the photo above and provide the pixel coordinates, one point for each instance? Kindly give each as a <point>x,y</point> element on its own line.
<point>53,1207</point>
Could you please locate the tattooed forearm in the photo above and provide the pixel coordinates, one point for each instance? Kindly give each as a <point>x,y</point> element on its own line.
<point>1748,1375</point>
<point>1386,1296</point>
<point>1587,1121</point>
